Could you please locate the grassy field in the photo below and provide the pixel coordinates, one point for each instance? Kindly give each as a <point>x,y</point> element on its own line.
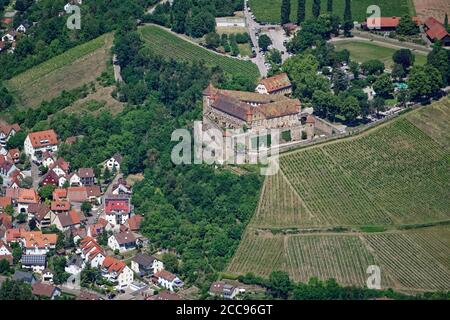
<point>169,45</point>
<point>270,10</point>
<point>362,51</point>
<point>372,185</point>
<point>67,71</point>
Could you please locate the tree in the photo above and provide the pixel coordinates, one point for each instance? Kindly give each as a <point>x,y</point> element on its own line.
<point>285,11</point>
<point>330,6</point>
<point>378,104</point>
<point>17,140</point>
<point>372,67</point>
<point>180,11</point>
<point>9,210</point>
<point>325,104</point>
<point>274,56</point>
<point>404,57</point>
<point>170,262</point>
<point>440,59</point>
<point>106,175</point>
<point>15,290</point>
<point>424,82</point>
<point>17,254</point>
<point>264,42</point>
<point>279,284</point>
<point>340,81</point>
<point>4,266</point>
<point>86,208</point>
<point>316,8</point>
<point>398,72</point>
<point>46,192</point>
<point>201,24</point>
<point>348,19</point>
<point>350,108</point>
<point>407,27</point>
<point>301,11</point>
<point>383,86</point>
<point>354,68</point>
<point>212,40</point>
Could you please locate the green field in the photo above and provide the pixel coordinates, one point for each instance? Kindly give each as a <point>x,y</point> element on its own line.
<point>67,71</point>
<point>168,45</point>
<point>371,186</point>
<point>362,51</point>
<point>270,10</point>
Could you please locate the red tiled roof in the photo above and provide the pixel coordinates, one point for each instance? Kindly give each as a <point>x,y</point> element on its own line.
<point>43,289</point>
<point>436,30</point>
<point>59,194</point>
<point>113,265</point>
<point>5,201</point>
<point>5,220</point>
<point>277,82</point>
<point>60,205</point>
<point>165,275</point>
<point>43,138</point>
<point>135,222</point>
<point>7,128</point>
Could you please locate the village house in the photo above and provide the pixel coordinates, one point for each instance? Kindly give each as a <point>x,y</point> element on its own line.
<point>48,159</point>
<point>278,84</point>
<point>9,36</point>
<point>46,290</point>
<point>385,24</point>
<point>67,220</point>
<point>16,179</point>
<point>60,194</point>
<point>75,265</point>
<point>144,264</point>
<point>117,209</point>
<point>168,280</point>
<point>7,131</point>
<point>34,262</point>
<point>114,162</point>
<point>121,188</point>
<point>37,143</point>
<point>42,214</point>
<point>74,180</point>
<point>223,290</point>
<point>117,272</point>
<point>7,166</point>
<point>37,243</point>
<point>165,296</point>
<point>134,223</point>
<point>78,195</point>
<point>4,202</point>
<point>26,277</point>
<point>87,296</point>
<point>123,241</point>
<point>91,252</point>
<point>23,27</point>
<point>93,230</point>
<point>60,206</point>
<point>60,167</point>
<point>86,176</point>
<point>14,155</point>
<point>23,198</point>
<point>5,252</point>
<point>436,31</point>
<point>47,276</point>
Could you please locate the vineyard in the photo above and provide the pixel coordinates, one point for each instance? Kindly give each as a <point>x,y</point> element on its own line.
<point>67,71</point>
<point>168,45</point>
<point>269,10</point>
<point>387,180</point>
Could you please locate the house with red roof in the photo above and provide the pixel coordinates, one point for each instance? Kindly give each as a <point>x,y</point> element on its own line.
<point>117,209</point>
<point>45,290</point>
<point>7,131</point>
<point>5,252</point>
<point>277,84</point>
<point>168,280</point>
<point>37,143</point>
<point>68,220</point>
<point>122,241</point>
<point>436,31</point>
<point>386,24</point>
<point>117,272</point>
<point>91,252</point>
<point>134,223</point>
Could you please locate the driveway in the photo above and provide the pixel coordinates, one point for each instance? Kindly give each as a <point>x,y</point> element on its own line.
<point>278,37</point>
<point>253,26</point>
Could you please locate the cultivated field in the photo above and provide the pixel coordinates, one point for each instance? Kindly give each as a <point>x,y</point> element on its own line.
<point>168,45</point>
<point>270,10</point>
<point>67,71</point>
<point>432,8</point>
<point>390,177</point>
<point>362,51</point>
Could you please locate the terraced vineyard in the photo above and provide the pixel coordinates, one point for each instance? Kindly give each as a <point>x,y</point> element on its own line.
<point>67,71</point>
<point>394,178</point>
<point>168,45</point>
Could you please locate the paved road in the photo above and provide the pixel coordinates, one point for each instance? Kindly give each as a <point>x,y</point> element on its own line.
<point>253,26</point>
<point>35,175</point>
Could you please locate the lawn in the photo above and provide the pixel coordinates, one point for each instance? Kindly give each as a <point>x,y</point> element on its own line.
<point>67,71</point>
<point>168,45</point>
<point>269,10</point>
<point>362,51</point>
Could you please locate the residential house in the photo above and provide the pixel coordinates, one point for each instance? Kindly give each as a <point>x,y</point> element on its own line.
<point>114,162</point>
<point>78,195</point>
<point>68,220</point>
<point>87,176</point>
<point>26,277</point>
<point>39,142</point>
<point>87,296</point>
<point>75,264</point>
<point>14,155</point>
<point>60,167</point>
<point>42,214</point>
<point>168,280</point>
<point>123,241</point>
<point>117,272</point>
<point>278,84</point>
<point>7,166</point>
<point>48,159</point>
<point>5,252</point>
<point>50,178</point>
<point>117,209</point>
<point>144,264</point>
<point>60,194</point>
<point>37,243</point>
<point>93,230</point>
<point>165,296</point>
<point>134,223</point>
<point>91,252</point>
<point>23,198</point>
<point>34,262</point>
<point>121,188</point>
<point>223,290</point>
<point>23,27</point>
<point>74,180</point>
<point>45,290</point>
<point>9,36</point>
<point>436,31</point>
<point>4,202</point>
<point>5,223</point>
<point>384,24</point>
<point>7,131</point>
<point>47,276</point>
<point>60,206</point>
<point>16,179</point>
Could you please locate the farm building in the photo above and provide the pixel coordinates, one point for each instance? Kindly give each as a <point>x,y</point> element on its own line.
<point>436,31</point>
<point>231,22</point>
<point>385,23</point>
<point>278,84</point>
